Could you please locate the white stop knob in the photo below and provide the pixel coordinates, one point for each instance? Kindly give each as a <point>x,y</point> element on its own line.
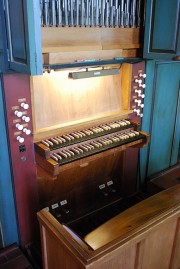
<point>27,131</point>
<point>24,105</point>
<point>137,101</point>
<point>141,105</point>
<point>142,75</point>
<point>19,126</point>
<point>138,91</point>
<point>138,80</point>
<point>142,85</point>
<point>18,113</point>
<point>20,139</point>
<point>137,111</point>
<point>140,115</point>
<point>141,95</point>
<point>26,119</point>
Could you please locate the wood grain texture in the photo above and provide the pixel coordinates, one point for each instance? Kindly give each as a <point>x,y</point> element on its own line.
<point>175,257</point>
<point>144,236</point>
<point>160,242</point>
<point>60,104</point>
<point>150,208</point>
<point>59,100</point>
<point>67,44</point>
<point>92,38</point>
<point>77,183</point>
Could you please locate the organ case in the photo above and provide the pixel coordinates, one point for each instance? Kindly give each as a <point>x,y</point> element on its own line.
<point>87,134</point>
<point>146,235</point>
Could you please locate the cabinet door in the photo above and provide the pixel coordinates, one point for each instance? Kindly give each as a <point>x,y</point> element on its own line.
<point>162,29</point>
<point>165,118</point>
<point>22,46</point>
<point>8,223</point>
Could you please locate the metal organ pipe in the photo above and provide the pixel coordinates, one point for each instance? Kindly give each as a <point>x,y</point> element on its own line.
<point>98,13</point>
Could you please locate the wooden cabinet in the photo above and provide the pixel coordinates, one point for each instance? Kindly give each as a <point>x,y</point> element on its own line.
<point>162,29</point>
<point>28,46</point>
<point>161,116</point>
<point>149,239</point>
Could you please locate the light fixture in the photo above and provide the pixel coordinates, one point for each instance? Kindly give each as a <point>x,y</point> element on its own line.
<point>93,73</point>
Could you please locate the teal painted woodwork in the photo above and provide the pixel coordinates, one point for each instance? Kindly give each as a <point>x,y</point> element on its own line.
<point>23,36</point>
<point>164,137</point>
<point>7,206</point>
<point>1,51</point>
<point>162,29</point>
<point>161,117</point>
<point>3,44</point>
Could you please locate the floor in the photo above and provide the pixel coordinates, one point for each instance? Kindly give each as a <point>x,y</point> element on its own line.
<point>165,179</point>
<point>13,258</point>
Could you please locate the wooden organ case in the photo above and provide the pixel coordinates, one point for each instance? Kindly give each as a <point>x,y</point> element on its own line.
<point>93,215</point>
<point>85,127</point>
<point>87,136</point>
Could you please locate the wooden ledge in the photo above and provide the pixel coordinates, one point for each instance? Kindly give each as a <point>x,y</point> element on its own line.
<point>140,217</point>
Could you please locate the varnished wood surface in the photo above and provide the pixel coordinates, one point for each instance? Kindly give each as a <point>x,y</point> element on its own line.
<point>79,125</point>
<point>68,44</point>
<point>146,236</point>
<point>148,210</point>
<point>61,105</point>
<point>78,183</point>
<point>164,179</point>
<point>67,38</point>
<point>60,101</point>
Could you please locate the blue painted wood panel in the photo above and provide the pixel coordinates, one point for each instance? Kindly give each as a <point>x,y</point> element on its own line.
<point>3,44</point>
<point>23,36</point>
<point>7,206</point>
<point>17,30</point>
<point>146,120</point>
<point>165,118</point>
<point>162,39</point>
<point>1,51</point>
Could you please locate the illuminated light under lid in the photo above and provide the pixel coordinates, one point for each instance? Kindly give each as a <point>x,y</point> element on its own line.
<point>93,73</point>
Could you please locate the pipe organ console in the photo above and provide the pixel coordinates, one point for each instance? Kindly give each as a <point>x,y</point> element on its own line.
<point>74,140</point>
<point>78,140</point>
<point>103,117</point>
<point>87,134</point>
